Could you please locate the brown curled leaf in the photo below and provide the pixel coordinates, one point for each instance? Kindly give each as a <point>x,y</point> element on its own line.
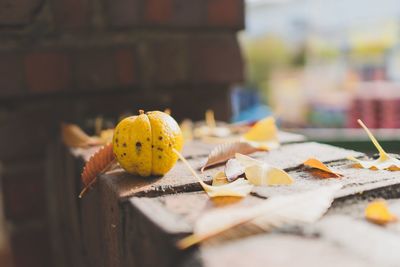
<point>99,163</point>
<point>224,152</point>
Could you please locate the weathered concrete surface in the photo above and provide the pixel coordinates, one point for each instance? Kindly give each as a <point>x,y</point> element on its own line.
<point>141,219</point>
<point>279,251</point>
<point>354,181</point>
<point>375,244</point>
<point>179,179</point>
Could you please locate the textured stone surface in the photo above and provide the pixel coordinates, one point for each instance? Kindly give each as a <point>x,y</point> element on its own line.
<point>279,250</point>
<point>138,216</point>
<point>354,181</point>
<point>293,155</point>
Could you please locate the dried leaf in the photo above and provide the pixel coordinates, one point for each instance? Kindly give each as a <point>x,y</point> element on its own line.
<point>219,179</point>
<point>74,136</point>
<point>99,163</point>
<point>106,136</point>
<point>238,188</point>
<point>314,163</point>
<point>210,119</point>
<point>233,169</point>
<point>264,134</point>
<point>379,213</point>
<point>168,111</point>
<point>260,173</point>
<point>275,212</point>
<point>211,129</point>
<point>384,162</point>
<point>224,152</point>
<point>216,132</point>
<point>187,130</point>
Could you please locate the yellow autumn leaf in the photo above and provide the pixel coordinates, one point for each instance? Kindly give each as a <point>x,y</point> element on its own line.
<point>238,188</point>
<point>219,179</point>
<point>384,162</point>
<point>106,136</point>
<point>211,130</point>
<point>210,118</point>
<point>263,134</point>
<point>260,173</point>
<point>74,136</point>
<point>314,163</point>
<point>187,130</point>
<point>379,213</point>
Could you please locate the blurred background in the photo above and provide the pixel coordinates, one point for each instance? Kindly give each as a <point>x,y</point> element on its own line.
<point>316,65</point>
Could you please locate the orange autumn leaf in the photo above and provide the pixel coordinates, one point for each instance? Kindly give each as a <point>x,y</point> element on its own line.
<point>99,163</point>
<point>314,163</point>
<point>378,212</point>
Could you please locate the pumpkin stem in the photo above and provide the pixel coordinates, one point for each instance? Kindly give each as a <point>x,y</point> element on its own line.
<point>141,111</point>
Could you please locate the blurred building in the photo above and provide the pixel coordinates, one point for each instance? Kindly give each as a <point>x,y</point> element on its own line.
<point>327,48</point>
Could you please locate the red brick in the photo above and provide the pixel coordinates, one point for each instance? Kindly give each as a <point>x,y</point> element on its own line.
<point>215,60</point>
<point>126,66</point>
<point>11,73</point>
<point>47,71</point>
<point>158,11</point>
<point>17,12</point>
<point>72,14</point>
<point>168,61</point>
<point>229,13</point>
<point>24,191</point>
<point>95,69</point>
<point>31,246</point>
<point>123,13</point>
<point>26,129</point>
<point>189,13</point>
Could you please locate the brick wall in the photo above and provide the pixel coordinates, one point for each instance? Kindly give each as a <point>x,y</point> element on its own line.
<point>71,60</point>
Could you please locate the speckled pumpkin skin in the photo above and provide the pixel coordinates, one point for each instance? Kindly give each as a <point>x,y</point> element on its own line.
<point>143,144</point>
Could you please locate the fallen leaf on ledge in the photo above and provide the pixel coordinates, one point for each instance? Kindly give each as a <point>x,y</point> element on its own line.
<point>168,111</point>
<point>378,212</point>
<point>211,129</point>
<point>219,179</point>
<point>74,136</point>
<point>260,173</point>
<point>187,130</point>
<point>224,152</point>
<point>264,134</point>
<point>314,163</point>
<point>205,132</point>
<point>233,169</point>
<point>99,163</point>
<point>384,162</point>
<point>274,212</point>
<point>106,136</point>
<point>210,119</point>
<point>238,188</point>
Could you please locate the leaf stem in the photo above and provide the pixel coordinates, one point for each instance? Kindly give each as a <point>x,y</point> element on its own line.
<point>182,158</point>
<point>382,152</point>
